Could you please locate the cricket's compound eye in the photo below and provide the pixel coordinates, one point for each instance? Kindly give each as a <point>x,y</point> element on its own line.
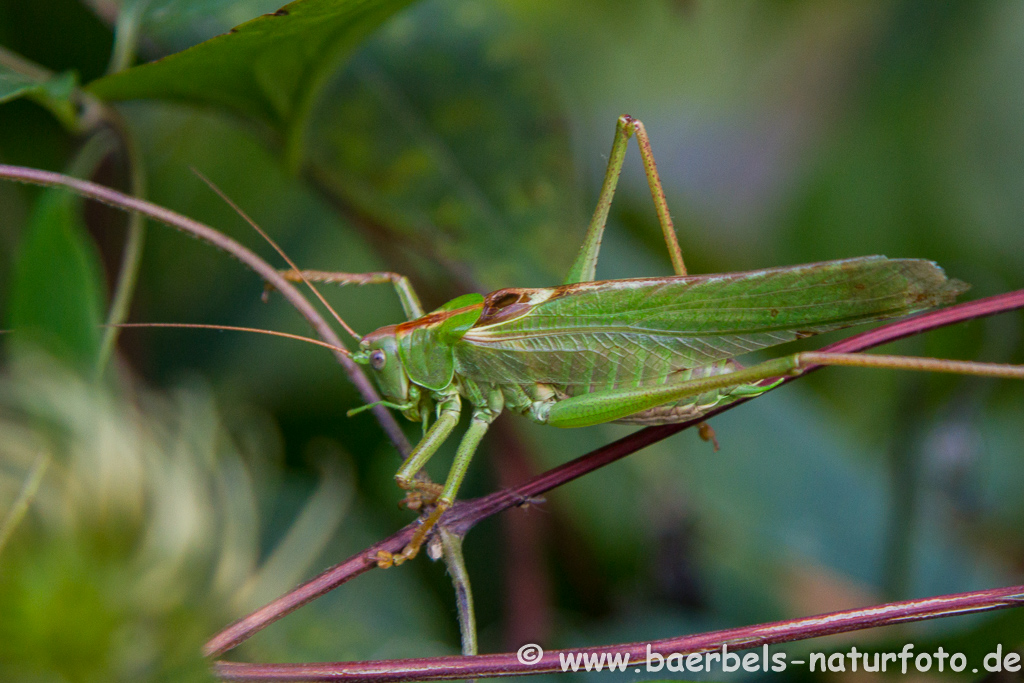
<point>377,360</point>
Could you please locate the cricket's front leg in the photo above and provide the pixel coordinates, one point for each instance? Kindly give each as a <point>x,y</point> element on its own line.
<point>449,409</point>
<point>406,294</point>
<point>480,422</point>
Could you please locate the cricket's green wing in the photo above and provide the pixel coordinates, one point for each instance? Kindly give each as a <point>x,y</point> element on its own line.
<point>637,332</point>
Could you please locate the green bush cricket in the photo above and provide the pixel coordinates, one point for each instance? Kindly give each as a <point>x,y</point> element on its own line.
<point>642,351</point>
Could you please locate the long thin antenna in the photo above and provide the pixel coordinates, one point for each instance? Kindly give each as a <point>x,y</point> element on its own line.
<point>278,249</point>
<point>233,328</point>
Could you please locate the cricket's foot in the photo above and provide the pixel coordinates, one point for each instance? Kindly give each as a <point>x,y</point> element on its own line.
<point>386,559</point>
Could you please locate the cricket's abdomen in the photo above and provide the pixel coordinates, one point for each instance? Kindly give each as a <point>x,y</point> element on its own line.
<point>535,400</point>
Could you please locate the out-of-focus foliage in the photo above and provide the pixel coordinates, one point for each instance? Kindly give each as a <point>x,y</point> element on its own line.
<point>56,295</point>
<point>462,144</point>
<point>145,533</point>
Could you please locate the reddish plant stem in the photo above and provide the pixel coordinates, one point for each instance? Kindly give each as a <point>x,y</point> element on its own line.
<point>506,664</point>
<point>465,514</point>
<point>327,581</point>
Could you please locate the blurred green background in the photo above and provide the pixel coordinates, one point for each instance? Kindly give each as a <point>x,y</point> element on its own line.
<point>462,143</point>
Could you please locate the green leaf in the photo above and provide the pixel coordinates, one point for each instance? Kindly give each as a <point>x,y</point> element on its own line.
<point>53,93</point>
<point>56,290</point>
<point>269,69</point>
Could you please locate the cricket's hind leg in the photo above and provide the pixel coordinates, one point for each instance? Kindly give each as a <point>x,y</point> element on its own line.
<point>586,261</point>
<point>617,404</point>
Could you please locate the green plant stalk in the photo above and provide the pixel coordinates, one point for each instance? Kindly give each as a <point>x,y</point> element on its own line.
<point>126,38</point>
<point>25,497</point>
<point>126,34</point>
<point>131,256</point>
<point>451,545</point>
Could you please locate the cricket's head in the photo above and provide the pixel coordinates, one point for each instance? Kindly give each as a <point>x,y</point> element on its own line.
<point>379,350</point>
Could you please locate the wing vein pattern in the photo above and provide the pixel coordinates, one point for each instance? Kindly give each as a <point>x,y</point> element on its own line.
<point>641,331</point>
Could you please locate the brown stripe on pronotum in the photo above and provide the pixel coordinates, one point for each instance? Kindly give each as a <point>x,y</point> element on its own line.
<point>508,304</point>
